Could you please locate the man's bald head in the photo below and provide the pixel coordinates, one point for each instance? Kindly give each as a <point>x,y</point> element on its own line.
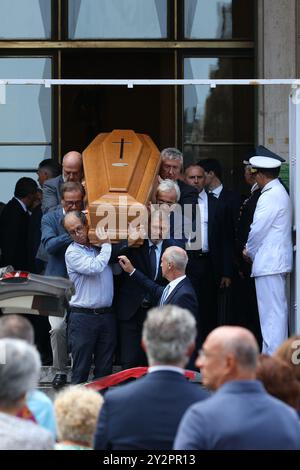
<point>229,353</point>
<point>238,341</point>
<point>173,263</point>
<point>72,166</point>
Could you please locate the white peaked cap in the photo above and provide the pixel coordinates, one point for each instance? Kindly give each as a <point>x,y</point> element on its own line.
<point>264,162</point>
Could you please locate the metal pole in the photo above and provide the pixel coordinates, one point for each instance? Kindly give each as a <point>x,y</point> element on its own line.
<point>294,156</point>
<point>130,83</point>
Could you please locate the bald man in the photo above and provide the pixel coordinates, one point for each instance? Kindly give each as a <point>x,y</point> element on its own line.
<point>72,171</point>
<point>179,291</point>
<point>240,415</point>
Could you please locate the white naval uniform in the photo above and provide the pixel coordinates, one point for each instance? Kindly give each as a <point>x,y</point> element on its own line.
<point>269,245</point>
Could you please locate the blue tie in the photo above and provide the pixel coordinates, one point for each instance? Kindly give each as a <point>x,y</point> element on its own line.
<point>164,295</point>
<point>152,256</point>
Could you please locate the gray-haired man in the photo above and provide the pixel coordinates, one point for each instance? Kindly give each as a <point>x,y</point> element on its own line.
<point>145,414</point>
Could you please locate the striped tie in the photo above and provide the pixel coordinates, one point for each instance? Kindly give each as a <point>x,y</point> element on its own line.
<point>164,295</point>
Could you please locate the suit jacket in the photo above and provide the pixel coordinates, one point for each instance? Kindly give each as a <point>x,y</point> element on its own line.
<point>241,415</point>
<point>34,240</point>
<point>183,295</point>
<point>233,201</point>
<point>145,414</point>
<point>131,294</point>
<point>51,193</point>
<point>188,194</point>
<point>55,240</point>
<point>14,223</point>
<point>220,238</point>
<point>243,228</point>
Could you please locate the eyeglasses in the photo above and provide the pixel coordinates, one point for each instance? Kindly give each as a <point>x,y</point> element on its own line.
<point>73,203</point>
<point>77,231</point>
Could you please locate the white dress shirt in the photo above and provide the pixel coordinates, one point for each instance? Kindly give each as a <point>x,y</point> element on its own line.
<point>92,277</point>
<point>217,191</point>
<point>157,254</point>
<point>203,205</point>
<point>173,284</point>
<point>24,207</point>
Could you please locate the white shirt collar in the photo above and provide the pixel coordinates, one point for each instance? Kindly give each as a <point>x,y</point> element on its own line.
<point>202,194</point>
<point>22,204</point>
<point>174,283</point>
<point>217,191</point>
<point>165,368</point>
<point>254,188</point>
<point>158,245</point>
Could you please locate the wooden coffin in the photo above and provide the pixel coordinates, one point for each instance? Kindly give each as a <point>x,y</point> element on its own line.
<point>120,168</point>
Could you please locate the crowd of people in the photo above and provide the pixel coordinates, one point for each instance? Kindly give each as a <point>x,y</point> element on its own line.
<point>164,304</point>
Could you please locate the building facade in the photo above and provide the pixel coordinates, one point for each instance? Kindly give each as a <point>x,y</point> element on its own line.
<point>151,39</point>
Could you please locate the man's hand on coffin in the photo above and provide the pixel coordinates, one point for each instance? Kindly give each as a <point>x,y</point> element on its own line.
<point>102,235</point>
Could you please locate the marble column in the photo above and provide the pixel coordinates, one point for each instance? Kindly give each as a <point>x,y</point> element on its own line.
<point>276,58</point>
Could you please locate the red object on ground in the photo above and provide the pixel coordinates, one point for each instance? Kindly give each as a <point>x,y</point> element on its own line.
<point>119,377</point>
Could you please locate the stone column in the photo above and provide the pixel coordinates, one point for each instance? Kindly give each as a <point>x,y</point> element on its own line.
<point>276,58</point>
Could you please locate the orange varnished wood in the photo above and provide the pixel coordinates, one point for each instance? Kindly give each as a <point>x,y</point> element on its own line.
<point>120,168</point>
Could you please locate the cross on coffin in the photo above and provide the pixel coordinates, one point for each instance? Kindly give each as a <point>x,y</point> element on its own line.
<point>122,142</point>
<point>118,183</point>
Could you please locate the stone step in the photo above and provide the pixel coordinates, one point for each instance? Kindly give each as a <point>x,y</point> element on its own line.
<point>48,373</point>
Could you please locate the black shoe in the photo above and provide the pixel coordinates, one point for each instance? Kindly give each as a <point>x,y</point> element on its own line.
<point>59,381</point>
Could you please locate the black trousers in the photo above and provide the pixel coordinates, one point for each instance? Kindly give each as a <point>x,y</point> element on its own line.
<point>91,335</point>
<point>200,272</point>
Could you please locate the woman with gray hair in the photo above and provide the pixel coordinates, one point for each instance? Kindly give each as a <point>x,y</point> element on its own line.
<point>19,373</point>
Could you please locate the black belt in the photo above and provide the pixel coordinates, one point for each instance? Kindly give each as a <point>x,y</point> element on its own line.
<point>91,310</point>
<point>198,254</point>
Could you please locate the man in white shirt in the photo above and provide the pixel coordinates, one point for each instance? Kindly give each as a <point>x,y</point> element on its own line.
<point>91,326</point>
<point>269,248</point>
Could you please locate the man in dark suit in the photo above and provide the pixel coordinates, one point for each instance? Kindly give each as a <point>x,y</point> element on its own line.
<point>245,293</point>
<point>14,223</point>
<point>55,241</point>
<point>145,414</point>
<point>213,176</point>
<point>72,171</point>
<point>210,267</point>
<point>179,291</point>
<point>133,303</point>
<point>171,168</point>
<point>47,169</point>
<point>240,415</point>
